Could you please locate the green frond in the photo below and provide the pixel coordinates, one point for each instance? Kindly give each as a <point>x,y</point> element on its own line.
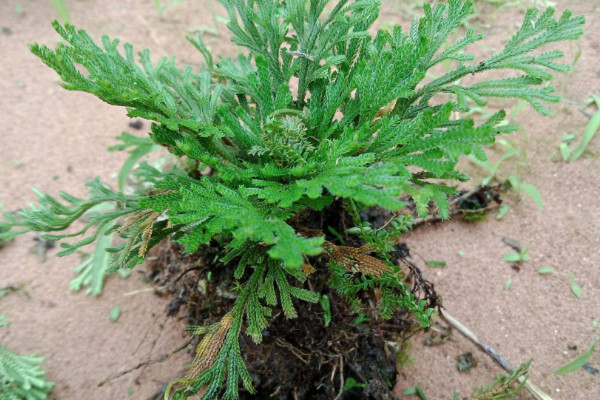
<point>21,377</point>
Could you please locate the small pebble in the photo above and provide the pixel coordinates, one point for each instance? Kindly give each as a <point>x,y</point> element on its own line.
<point>136,124</point>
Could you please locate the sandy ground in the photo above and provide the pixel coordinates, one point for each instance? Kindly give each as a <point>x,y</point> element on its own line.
<point>55,140</point>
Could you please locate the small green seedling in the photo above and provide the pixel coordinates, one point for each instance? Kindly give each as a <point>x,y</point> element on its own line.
<point>461,253</point>
<point>519,187</point>
<point>545,270</point>
<point>575,288</point>
<point>514,180</point>
<point>521,256</point>
<point>508,284</point>
<point>590,131</point>
<point>565,146</point>
<point>324,302</point>
<point>578,362</point>
<point>115,313</point>
<point>502,211</point>
<point>435,263</point>
<point>415,391</point>
<point>492,168</point>
<point>351,383</point>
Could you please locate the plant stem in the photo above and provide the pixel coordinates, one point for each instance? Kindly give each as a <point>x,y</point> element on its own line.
<point>536,392</point>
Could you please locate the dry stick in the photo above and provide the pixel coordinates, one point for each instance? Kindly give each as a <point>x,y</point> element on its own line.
<point>148,362</point>
<point>489,350</point>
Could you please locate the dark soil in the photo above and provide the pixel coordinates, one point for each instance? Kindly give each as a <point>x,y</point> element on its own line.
<point>299,358</point>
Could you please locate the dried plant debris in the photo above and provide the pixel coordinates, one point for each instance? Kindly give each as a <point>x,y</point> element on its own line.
<point>589,368</point>
<point>439,335</point>
<point>465,362</point>
<point>504,386</point>
<point>472,205</point>
<point>40,247</point>
<point>512,243</point>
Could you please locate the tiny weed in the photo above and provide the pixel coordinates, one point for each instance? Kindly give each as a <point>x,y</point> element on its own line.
<point>588,134</point>
<point>545,270</point>
<point>575,288</point>
<point>529,189</point>
<point>415,391</point>
<point>351,383</point>
<point>115,313</point>
<point>578,362</point>
<point>521,256</point>
<point>435,263</point>
<point>502,211</point>
<point>514,180</point>
<point>565,146</point>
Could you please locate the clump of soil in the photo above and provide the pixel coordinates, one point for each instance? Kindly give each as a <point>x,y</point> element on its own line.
<point>299,358</point>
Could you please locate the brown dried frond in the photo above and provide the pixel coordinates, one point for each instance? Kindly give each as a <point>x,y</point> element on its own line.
<point>149,217</point>
<point>133,219</point>
<point>308,269</point>
<point>209,347</point>
<point>206,353</point>
<point>356,259</point>
<point>147,232</point>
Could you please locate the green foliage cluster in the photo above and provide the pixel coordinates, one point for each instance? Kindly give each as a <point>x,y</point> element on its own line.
<point>316,109</point>
<point>21,377</point>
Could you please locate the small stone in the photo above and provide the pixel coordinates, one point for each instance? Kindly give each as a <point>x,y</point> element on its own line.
<point>136,124</point>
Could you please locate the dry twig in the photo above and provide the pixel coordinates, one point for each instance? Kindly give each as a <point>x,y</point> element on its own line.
<point>147,362</point>
<point>536,392</point>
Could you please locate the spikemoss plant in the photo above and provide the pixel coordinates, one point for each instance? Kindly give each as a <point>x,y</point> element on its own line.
<point>21,377</point>
<point>360,124</point>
